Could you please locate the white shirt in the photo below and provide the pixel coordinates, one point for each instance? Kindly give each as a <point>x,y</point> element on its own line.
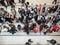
<point>5,2</point>
<point>4,30</point>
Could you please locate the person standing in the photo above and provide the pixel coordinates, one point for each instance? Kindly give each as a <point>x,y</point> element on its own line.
<point>3,3</point>
<point>54,1</point>
<point>52,41</point>
<point>22,1</point>
<point>12,1</point>
<point>29,42</point>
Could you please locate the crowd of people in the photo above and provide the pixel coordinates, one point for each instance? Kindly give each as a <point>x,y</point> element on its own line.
<point>36,18</point>
<point>10,2</point>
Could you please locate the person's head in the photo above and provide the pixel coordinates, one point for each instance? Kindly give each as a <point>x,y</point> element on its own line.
<point>53,41</point>
<point>11,24</point>
<point>27,3</point>
<point>44,3</point>
<point>27,43</point>
<point>31,3</point>
<point>12,6</point>
<point>19,26</point>
<point>40,5</point>
<point>54,24</point>
<point>2,9</point>
<point>35,13</point>
<point>29,40</point>
<point>4,27</point>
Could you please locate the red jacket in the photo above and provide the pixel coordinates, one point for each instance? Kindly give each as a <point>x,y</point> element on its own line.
<point>35,29</point>
<point>41,28</point>
<point>39,9</point>
<point>55,28</point>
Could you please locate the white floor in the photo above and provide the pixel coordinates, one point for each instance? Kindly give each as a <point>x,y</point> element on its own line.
<point>23,39</point>
<point>48,2</point>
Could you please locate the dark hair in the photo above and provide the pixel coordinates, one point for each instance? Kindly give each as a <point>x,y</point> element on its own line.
<point>27,3</point>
